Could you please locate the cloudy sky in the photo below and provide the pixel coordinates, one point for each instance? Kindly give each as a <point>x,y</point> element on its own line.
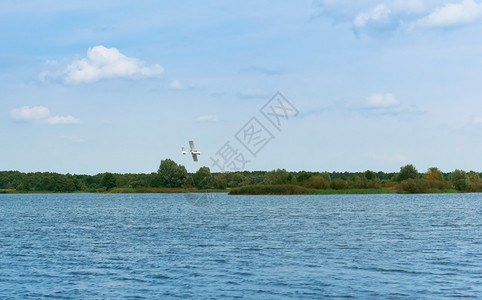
<point>95,86</point>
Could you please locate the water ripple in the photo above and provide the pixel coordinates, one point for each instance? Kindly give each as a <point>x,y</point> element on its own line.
<point>148,246</point>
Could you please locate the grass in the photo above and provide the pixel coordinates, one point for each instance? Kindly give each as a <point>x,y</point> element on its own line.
<point>353,191</point>
<point>122,190</point>
<point>158,190</point>
<point>163,190</point>
<point>289,189</point>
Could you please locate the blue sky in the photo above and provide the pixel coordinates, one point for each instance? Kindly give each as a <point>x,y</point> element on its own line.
<point>95,86</point>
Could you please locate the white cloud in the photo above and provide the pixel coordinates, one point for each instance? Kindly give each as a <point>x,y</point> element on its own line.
<point>378,13</point>
<point>342,10</point>
<point>207,118</point>
<point>61,120</point>
<point>376,16</point>
<point>378,104</point>
<point>40,114</point>
<point>177,85</point>
<point>30,113</point>
<point>102,63</point>
<point>448,15</point>
<point>477,120</point>
<point>409,6</point>
<point>377,100</point>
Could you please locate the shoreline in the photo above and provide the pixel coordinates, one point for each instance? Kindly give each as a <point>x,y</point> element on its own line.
<point>265,190</point>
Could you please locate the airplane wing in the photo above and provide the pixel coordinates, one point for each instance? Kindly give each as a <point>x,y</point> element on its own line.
<point>191,143</point>
<point>194,157</point>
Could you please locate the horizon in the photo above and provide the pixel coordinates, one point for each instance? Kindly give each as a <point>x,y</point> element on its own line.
<point>97,87</point>
<point>251,171</point>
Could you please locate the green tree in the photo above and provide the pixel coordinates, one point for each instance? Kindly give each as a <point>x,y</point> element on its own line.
<point>23,187</point>
<point>339,184</point>
<point>220,182</point>
<point>236,179</point>
<point>66,184</point>
<point>303,176</point>
<point>475,183</point>
<point>460,180</point>
<point>407,172</point>
<point>317,182</point>
<point>279,176</point>
<point>435,179</point>
<point>413,186</point>
<point>171,174</point>
<point>434,174</point>
<point>370,175</point>
<point>108,181</point>
<point>203,178</point>
<point>326,176</point>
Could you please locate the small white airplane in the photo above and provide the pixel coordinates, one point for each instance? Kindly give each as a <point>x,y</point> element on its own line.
<point>193,151</point>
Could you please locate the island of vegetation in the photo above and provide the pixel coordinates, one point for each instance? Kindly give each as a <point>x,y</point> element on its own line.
<point>174,178</point>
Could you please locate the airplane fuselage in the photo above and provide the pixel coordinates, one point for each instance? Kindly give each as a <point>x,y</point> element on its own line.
<point>193,151</point>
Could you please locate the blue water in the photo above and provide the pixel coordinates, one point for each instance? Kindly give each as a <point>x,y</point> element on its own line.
<point>157,246</point>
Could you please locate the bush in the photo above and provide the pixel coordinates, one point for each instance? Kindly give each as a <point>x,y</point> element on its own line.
<point>413,186</point>
<point>283,189</point>
<point>317,182</point>
<point>364,183</point>
<point>339,184</point>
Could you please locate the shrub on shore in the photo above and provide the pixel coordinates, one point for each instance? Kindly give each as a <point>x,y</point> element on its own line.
<point>283,189</point>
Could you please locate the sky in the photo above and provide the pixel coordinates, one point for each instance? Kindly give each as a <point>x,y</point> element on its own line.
<point>327,85</point>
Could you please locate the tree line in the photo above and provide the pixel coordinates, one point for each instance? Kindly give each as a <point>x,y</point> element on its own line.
<point>172,175</point>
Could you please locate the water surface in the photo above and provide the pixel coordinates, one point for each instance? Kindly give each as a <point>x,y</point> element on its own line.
<point>147,246</point>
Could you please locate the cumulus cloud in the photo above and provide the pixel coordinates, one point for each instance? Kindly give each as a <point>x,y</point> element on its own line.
<point>40,114</point>
<point>342,10</point>
<point>379,13</point>
<point>376,16</point>
<point>409,6</point>
<point>30,113</point>
<point>385,104</point>
<point>61,120</point>
<point>101,63</point>
<point>377,100</point>
<point>450,14</point>
<point>207,118</point>
<point>178,85</point>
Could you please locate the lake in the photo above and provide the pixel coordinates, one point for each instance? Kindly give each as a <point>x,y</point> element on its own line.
<point>208,246</point>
